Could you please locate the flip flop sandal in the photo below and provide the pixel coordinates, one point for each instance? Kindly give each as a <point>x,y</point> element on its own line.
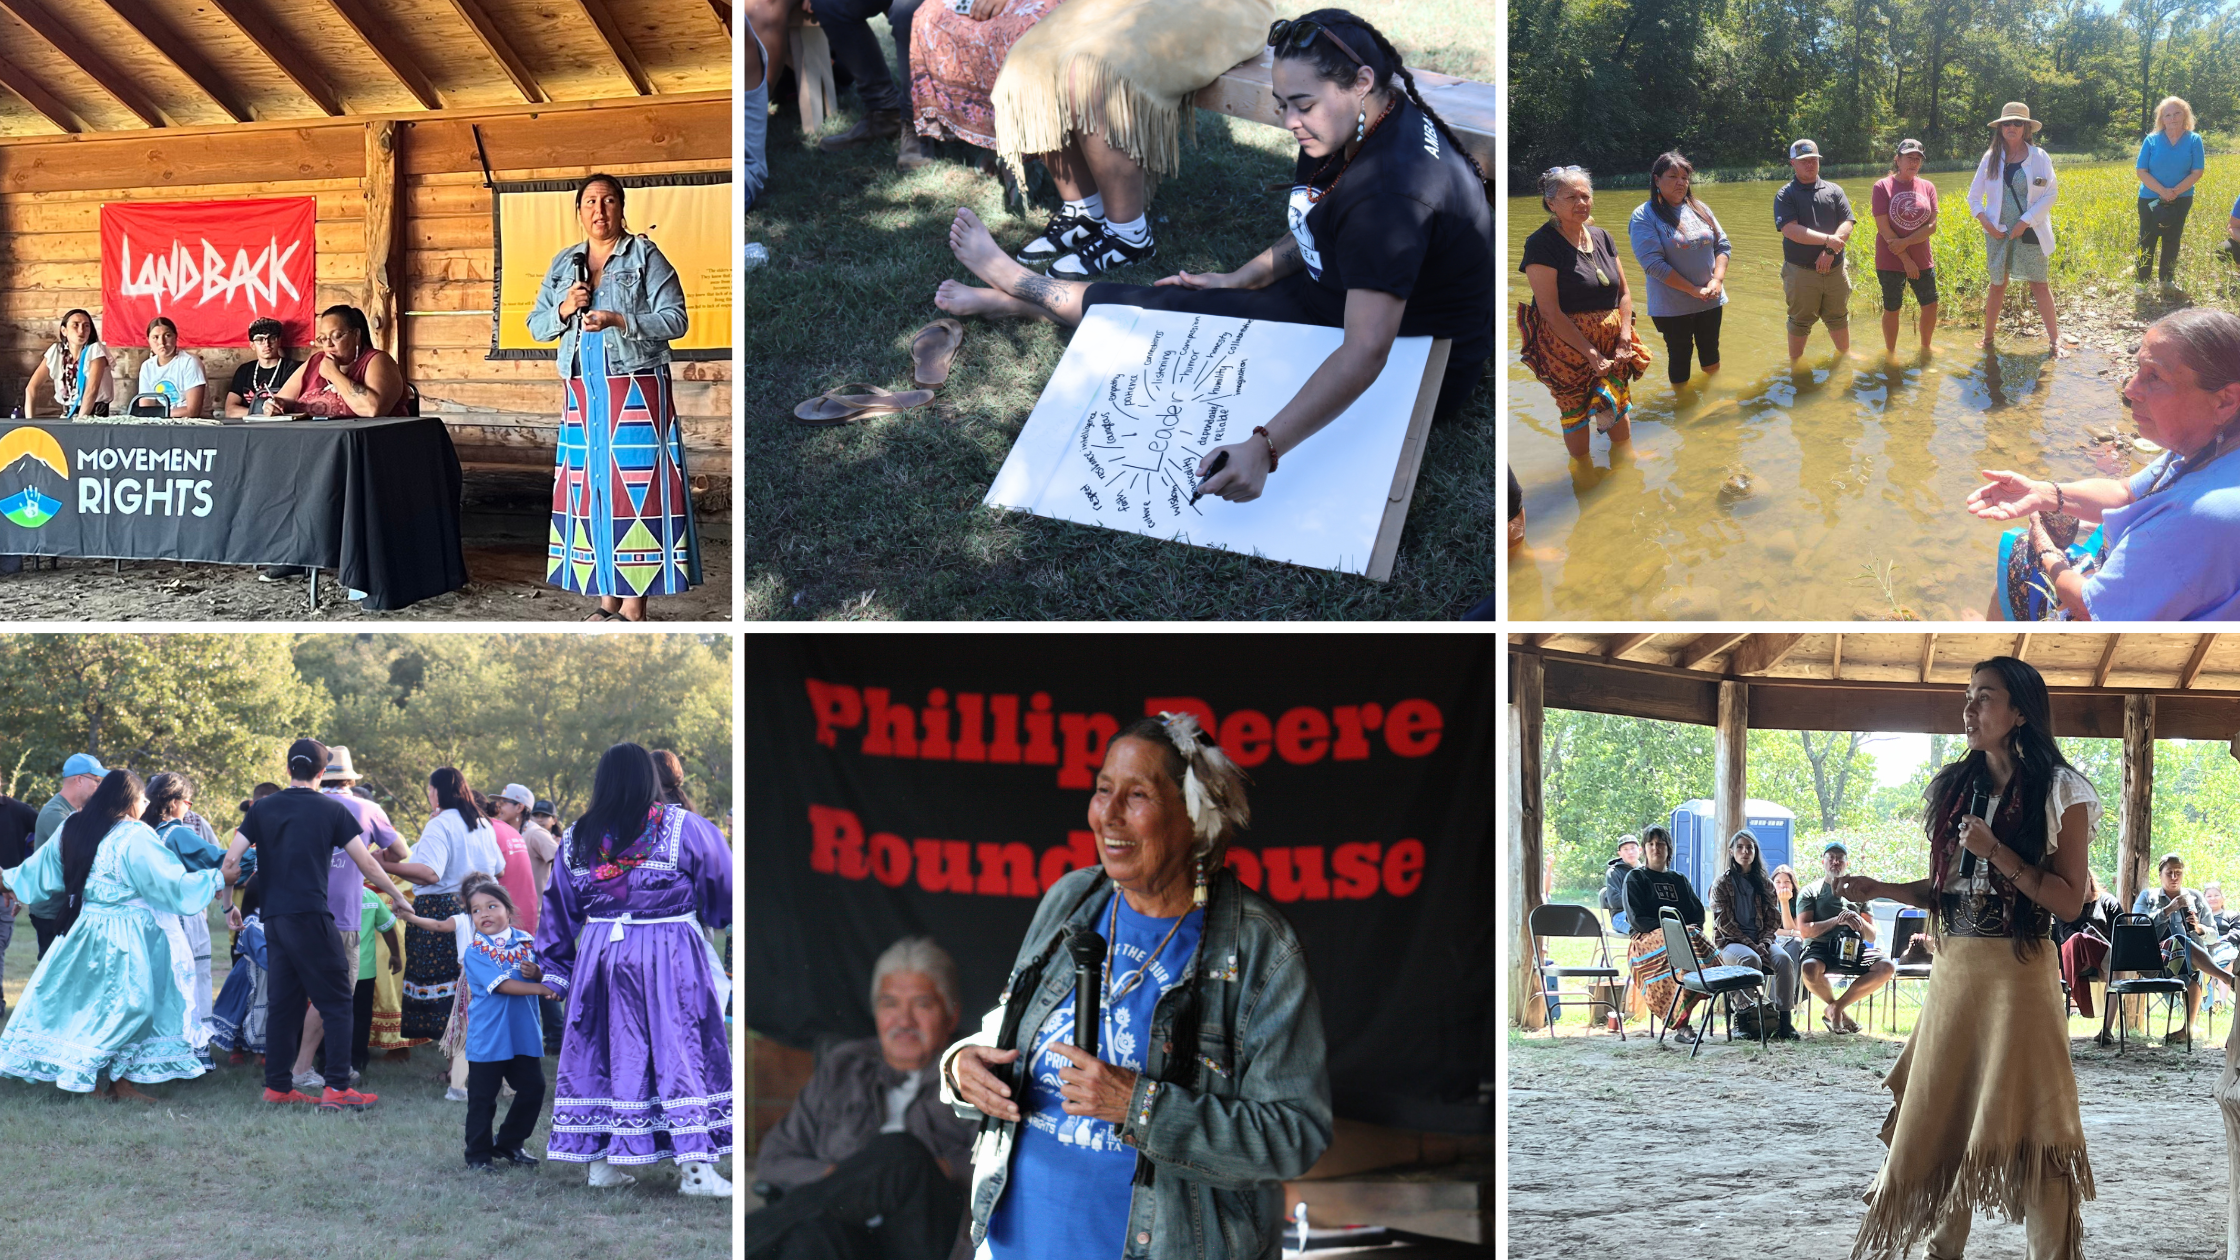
<point>597,614</point>
<point>840,405</point>
<point>934,349</point>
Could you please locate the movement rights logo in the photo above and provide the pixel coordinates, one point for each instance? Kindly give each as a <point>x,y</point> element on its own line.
<point>30,506</point>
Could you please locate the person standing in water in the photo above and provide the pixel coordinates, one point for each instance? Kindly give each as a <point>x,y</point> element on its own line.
<point>2012,196</point>
<point>1815,220</point>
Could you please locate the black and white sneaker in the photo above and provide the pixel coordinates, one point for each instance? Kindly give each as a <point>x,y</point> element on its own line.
<point>1099,254</point>
<point>1067,229</point>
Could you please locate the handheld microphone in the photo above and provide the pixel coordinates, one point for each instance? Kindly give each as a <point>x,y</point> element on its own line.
<point>582,264</point>
<point>1087,949</point>
<point>1976,803</point>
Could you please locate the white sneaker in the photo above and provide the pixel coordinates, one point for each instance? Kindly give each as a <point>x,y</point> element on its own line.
<point>454,1094</point>
<point>605,1175</point>
<point>310,1083</point>
<point>701,1178</point>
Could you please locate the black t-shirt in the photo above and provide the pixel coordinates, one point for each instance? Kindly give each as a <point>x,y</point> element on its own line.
<point>17,822</point>
<point>296,832</point>
<point>248,377</point>
<point>1408,218</point>
<point>1821,206</point>
<point>1649,891</point>
<point>1584,282</point>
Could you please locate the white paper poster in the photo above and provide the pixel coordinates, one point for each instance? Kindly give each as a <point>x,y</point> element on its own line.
<point>1141,395</point>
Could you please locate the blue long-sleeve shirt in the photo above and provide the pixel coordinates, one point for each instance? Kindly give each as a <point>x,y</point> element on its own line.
<point>639,284</point>
<point>1690,251</point>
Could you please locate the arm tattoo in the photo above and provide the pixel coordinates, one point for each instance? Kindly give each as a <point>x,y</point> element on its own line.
<point>1042,291</point>
<point>1285,254</point>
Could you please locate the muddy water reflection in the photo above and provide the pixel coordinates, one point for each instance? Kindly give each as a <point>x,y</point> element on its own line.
<point>1832,491</point>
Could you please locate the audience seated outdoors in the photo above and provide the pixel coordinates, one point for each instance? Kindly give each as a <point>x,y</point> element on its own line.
<point>1789,939</point>
<point>870,1164</point>
<point>1649,889</point>
<point>2182,920</point>
<point>1839,938</point>
<point>2083,942</point>
<point>1613,896</point>
<point>1746,923</point>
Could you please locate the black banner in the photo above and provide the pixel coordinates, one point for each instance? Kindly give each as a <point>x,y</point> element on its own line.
<point>906,784</point>
<point>376,500</point>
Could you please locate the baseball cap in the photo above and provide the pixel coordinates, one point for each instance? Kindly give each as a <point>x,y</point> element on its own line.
<point>544,807</point>
<point>1836,846</point>
<point>519,795</point>
<point>309,753</point>
<point>1910,146</point>
<point>82,763</point>
<point>1803,148</point>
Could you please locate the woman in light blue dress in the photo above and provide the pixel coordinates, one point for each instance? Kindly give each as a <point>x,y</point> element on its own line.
<point>114,996</point>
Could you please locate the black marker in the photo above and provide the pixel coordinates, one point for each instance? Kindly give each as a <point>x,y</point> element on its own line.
<point>1220,461</point>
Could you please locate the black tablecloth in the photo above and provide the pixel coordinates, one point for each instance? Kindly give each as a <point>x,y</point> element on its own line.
<point>375,500</point>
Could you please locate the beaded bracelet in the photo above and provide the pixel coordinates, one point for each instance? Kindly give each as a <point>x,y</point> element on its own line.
<point>1263,432</point>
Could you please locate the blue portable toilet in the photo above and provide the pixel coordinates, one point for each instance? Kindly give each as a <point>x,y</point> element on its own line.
<point>1695,844</point>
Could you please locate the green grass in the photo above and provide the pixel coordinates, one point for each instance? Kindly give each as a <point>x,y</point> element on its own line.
<point>211,1172</point>
<point>883,518</point>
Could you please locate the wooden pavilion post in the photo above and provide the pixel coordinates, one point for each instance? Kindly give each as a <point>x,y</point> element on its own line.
<point>383,233</point>
<point>1527,1001</point>
<point>1731,764</point>
<point>2135,843</point>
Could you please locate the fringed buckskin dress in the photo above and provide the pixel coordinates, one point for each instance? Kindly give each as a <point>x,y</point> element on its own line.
<point>1984,1116</point>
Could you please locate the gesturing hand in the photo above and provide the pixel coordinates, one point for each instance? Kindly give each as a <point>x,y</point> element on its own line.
<point>2007,495</point>
<point>1093,1087</point>
<point>979,1086</point>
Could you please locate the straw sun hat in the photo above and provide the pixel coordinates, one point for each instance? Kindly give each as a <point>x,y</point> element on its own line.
<point>2016,111</point>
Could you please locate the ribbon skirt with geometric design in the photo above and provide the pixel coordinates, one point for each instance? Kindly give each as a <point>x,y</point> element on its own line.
<point>621,509</point>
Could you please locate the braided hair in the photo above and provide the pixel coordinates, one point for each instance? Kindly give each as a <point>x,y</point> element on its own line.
<point>164,789</point>
<point>1332,65</point>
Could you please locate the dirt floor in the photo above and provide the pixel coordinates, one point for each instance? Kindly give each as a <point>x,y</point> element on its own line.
<point>1783,1143</point>
<point>504,529</point>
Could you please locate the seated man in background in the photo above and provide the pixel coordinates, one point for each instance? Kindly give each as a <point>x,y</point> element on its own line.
<point>260,378</point>
<point>871,1163</point>
<point>1615,871</point>
<point>1826,921</point>
<point>2182,921</point>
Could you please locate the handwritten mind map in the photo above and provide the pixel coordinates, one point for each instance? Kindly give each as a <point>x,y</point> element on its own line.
<point>1141,396</point>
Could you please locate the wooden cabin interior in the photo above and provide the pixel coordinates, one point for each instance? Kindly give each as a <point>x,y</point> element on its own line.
<point>387,114</point>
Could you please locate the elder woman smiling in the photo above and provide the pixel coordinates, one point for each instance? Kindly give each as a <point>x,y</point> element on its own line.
<point>1186,1104</point>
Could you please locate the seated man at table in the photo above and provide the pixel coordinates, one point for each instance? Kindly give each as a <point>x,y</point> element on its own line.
<point>262,377</point>
<point>346,376</point>
<point>869,1139</point>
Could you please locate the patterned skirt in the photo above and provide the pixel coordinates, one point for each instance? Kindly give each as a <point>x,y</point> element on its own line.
<point>2024,592</point>
<point>388,1003</point>
<point>431,971</point>
<point>621,503</point>
<point>1652,971</point>
<point>1578,391</point>
<point>953,64</point>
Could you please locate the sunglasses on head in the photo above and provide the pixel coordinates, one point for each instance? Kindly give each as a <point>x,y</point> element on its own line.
<point>1290,35</point>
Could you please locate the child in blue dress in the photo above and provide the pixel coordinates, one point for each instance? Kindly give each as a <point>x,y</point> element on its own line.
<point>505,1035</point>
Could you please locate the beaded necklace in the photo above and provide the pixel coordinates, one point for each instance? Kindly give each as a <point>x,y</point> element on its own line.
<point>1312,195</point>
<point>503,956</point>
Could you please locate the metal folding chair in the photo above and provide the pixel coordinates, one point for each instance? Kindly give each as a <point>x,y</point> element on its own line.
<point>1564,920</point>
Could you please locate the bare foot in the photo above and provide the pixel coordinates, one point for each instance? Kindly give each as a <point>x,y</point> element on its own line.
<point>970,241</point>
<point>959,298</point>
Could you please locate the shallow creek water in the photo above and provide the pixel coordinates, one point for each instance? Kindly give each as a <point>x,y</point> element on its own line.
<point>1830,491</point>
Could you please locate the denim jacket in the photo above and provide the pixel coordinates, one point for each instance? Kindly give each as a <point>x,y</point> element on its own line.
<point>1217,1125</point>
<point>638,284</point>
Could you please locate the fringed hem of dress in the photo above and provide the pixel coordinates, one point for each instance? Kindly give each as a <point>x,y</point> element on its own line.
<point>1900,1216</point>
<point>77,1067</point>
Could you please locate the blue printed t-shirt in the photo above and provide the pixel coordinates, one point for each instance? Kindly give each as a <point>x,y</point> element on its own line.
<point>2168,162</point>
<point>500,1026</point>
<point>1070,1175</point>
<point>2174,554</point>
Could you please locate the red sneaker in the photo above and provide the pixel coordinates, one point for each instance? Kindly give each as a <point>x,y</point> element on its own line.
<point>337,1099</point>
<point>292,1096</point>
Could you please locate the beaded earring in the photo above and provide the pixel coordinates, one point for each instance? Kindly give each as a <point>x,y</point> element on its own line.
<point>1198,881</point>
<point>1361,122</point>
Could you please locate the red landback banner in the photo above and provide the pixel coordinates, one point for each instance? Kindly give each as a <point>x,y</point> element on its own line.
<point>211,266</point>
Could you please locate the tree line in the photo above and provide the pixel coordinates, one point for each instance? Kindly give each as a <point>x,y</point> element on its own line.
<point>531,709</point>
<point>1609,84</point>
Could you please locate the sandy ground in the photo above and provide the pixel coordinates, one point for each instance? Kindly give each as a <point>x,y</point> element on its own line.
<point>504,532</point>
<point>1783,1143</point>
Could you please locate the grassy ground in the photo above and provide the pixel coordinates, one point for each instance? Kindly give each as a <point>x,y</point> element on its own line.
<point>883,518</point>
<point>210,1171</point>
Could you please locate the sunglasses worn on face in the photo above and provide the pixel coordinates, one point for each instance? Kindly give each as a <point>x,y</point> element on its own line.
<point>1294,34</point>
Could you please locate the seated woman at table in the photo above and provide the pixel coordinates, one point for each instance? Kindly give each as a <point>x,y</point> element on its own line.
<point>260,378</point>
<point>77,367</point>
<point>171,373</point>
<point>2169,539</point>
<point>346,376</point>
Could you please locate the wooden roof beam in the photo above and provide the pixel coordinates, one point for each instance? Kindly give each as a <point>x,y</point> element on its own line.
<point>1761,652</point>
<point>1705,646</point>
<point>1835,663</point>
<point>114,83</point>
<point>2194,662</point>
<point>39,98</point>
<point>619,46</point>
<point>182,56</point>
<point>1928,654</point>
<point>524,81</point>
<point>1620,644</point>
<point>2107,661</point>
<point>723,13</point>
<point>385,49</point>
<point>2021,647</point>
<point>259,32</point>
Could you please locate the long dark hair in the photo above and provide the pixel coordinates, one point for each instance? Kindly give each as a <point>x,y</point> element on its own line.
<point>81,837</point>
<point>356,319</point>
<point>452,792</point>
<point>623,789</point>
<point>1755,872</point>
<point>1332,65</point>
<point>669,768</point>
<point>2037,757</point>
<point>163,789</point>
<point>1657,169</point>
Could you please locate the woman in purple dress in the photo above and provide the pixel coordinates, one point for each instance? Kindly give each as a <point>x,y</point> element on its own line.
<point>645,1064</point>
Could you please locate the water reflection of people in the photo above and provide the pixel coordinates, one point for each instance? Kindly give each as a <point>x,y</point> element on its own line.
<point>2171,533</point>
<point>1683,251</point>
<point>1577,333</point>
<point>2012,196</point>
